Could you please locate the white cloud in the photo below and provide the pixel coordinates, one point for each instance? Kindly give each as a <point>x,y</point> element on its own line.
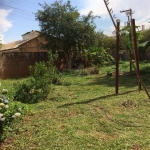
<point>96,6</point>
<point>1,38</point>
<point>5,24</point>
<point>139,8</point>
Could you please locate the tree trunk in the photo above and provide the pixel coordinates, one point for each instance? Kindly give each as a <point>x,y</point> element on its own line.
<point>68,61</point>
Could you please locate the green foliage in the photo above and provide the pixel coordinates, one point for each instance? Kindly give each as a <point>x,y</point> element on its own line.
<point>142,48</point>
<point>99,38</point>
<point>98,56</point>
<point>126,42</point>
<point>146,36</point>
<point>39,85</point>
<point>65,29</point>
<point>147,45</point>
<point>9,112</point>
<point>139,36</point>
<point>88,115</point>
<point>126,37</point>
<point>109,42</point>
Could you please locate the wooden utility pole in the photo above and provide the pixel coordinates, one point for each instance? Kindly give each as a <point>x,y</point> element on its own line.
<point>129,15</point>
<point>117,54</point>
<point>110,12</point>
<point>117,48</point>
<point>136,50</point>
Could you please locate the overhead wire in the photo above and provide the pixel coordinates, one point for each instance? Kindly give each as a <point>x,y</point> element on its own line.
<point>27,12</point>
<point>24,4</point>
<point>19,13</point>
<point>22,17</point>
<point>23,13</point>
<point>30,3</point>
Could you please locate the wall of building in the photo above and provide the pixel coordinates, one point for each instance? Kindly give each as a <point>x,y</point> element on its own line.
<point>16,65</point>
<point>122,54</point>
<point>33,45</point>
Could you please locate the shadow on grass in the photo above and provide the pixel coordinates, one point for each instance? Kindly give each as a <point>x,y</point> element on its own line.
<point>120,122</point>
<point>94,99</point>
<point>126,81</point>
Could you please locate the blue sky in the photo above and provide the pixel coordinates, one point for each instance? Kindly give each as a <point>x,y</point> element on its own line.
<point>17,16</point>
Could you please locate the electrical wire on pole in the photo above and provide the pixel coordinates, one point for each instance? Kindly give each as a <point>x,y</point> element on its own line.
<point>129,15</point>
<point>135,68</point>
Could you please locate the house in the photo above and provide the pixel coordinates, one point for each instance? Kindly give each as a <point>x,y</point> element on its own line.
<point>30,43</point>
<point>17,56</point>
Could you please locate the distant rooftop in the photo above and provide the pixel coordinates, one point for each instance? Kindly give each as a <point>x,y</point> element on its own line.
<point>16,44</point>
<point>30,32</point>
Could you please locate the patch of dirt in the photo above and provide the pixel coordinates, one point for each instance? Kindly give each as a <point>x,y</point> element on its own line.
<point>120,73</point>
<point>6,143</point>
<point>92,70</point>
<point>135,147</point>
<point>130,104</point>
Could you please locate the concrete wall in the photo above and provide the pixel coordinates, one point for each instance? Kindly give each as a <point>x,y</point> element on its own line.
<point>122,54</point>
<point>16,65</point>
<point>33,46</point>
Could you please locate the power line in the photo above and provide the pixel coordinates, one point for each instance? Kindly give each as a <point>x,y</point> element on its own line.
<point>19,13</point>
<point>23,16</point>
<point>31,2</point>
<point>24,4</point>
<point>30,13</point>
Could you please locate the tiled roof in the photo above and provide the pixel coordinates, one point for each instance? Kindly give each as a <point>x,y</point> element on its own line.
<point>14,45</point>
<point>30,32</point>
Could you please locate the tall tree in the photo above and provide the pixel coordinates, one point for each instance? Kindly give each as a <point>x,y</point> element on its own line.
<point>146,36</point>
<point>65,29</point>
<point>109,42</point>
<point>99,38</point>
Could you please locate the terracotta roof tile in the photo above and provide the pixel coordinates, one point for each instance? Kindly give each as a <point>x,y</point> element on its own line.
<point>15,44</point>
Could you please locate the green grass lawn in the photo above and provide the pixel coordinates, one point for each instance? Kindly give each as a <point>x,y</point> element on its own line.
<point>86,114</point>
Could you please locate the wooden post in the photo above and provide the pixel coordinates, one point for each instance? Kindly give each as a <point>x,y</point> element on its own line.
<point>136,50</point>
<point>117,55</point>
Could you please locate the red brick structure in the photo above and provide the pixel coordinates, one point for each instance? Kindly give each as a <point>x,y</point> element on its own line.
<point>16,65</point>
<point>16,57</point>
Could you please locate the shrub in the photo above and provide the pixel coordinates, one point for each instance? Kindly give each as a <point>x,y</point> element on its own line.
<point>98,56</point>
<point>8,113</point>
<point>39,85</point>
<point>92,70</point>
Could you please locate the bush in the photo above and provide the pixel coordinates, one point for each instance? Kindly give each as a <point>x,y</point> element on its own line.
<point>98,56</point>
<point>8,113</point>
<point>39,85</point>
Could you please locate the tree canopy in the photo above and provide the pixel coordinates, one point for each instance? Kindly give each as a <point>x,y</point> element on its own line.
<point>109,42</point>
<point>65,29</point>
<point>146,36</point>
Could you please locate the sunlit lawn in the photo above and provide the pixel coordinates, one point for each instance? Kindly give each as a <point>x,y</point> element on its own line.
<point>85,113</point>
